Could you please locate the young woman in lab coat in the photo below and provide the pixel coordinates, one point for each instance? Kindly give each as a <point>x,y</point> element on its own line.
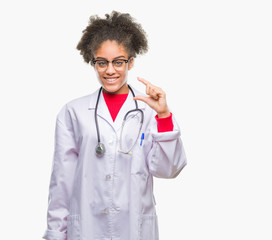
<point>107,193</point>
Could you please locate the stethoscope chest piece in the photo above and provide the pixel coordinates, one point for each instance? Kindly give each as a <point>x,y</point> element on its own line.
<point>100,149</point>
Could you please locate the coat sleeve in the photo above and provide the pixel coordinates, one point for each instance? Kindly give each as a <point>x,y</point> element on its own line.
<point>62,177</point>
<point>167,156</point>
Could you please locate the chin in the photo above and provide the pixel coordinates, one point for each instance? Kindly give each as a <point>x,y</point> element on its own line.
<point>116,89</point>
<point>111,89</point>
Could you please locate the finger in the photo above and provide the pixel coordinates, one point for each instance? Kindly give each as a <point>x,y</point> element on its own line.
<point>146,83</point>
<point>149,87</point>
<point>155,96</point>
<point>151,90</point>
<point>147,90</point>
<point>142,80</point>
<point>156,92</point>
<point>153,93</point>
<point>142,98</point>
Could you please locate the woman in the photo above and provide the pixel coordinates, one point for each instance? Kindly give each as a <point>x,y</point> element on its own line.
<point>102,178</point>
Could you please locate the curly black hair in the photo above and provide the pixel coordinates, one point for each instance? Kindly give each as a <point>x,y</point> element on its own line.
<point>120,27</point>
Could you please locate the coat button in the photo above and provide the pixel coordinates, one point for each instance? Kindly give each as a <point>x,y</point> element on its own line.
<point>108,177</point>
<point>106,211</point>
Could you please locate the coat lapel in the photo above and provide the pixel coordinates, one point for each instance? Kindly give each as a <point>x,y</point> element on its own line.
<point>102,109</point>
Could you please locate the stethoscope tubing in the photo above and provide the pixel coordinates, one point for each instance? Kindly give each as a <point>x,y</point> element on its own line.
<point>100,148</point>
<point>95,116</point>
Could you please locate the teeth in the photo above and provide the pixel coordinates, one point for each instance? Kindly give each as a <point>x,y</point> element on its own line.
<point>111,79</point>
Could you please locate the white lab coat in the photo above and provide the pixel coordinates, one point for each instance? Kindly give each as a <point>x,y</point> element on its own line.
<point>108,198</point>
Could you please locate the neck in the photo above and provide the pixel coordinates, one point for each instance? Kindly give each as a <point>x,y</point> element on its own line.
<point>123,90</point>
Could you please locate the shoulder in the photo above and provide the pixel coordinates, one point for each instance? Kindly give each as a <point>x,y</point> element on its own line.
<point>84,101</point>
<point>80,101</point>
<point>78,104</point>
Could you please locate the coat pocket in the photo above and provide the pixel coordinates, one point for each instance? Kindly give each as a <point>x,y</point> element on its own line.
<point>73,229</point>
<point>148,227</point>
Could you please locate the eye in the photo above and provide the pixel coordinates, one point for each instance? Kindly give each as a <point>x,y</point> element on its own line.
<point>102,63</point>
<point>118,63</point>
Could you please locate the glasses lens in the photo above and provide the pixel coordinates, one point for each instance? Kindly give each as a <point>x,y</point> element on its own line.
<point>101,65</point>
<point>119,64</point>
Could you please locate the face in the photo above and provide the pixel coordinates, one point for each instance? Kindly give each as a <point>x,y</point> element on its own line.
<point>113,80</point>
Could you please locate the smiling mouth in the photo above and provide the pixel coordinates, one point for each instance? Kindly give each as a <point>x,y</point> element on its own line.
<point>111,79</point>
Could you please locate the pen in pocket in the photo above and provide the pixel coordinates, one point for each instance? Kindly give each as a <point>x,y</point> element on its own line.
<point>142,138</point>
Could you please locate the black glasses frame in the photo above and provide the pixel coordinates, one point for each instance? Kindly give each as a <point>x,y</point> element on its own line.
<point>115,60</point>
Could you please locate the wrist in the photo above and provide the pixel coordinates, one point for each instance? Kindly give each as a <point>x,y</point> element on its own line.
<point>163,114</point>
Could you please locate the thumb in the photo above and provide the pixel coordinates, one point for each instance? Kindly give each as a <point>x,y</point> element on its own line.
<point>141,98</point>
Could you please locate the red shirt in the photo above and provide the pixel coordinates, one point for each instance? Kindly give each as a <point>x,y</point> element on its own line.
<point>115,102</point>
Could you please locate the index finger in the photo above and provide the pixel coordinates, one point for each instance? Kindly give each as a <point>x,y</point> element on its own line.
<point>145,82</point>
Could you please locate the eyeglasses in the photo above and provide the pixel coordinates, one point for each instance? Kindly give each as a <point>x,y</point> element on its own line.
<point>118,64</point>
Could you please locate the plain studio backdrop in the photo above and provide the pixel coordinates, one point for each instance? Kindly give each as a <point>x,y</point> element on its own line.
<point>213,59</point>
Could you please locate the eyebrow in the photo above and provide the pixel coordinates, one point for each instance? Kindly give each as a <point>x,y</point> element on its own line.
<point>113,59</point>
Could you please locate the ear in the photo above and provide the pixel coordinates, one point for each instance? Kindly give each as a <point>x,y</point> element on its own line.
<point>130,64</point>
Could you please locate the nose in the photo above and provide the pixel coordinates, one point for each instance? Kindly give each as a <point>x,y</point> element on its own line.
<point>110,69</point>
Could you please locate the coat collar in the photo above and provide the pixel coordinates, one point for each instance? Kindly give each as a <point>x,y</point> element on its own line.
<point>103,111</point>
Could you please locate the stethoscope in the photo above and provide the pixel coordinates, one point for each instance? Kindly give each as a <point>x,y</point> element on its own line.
<point>100,148</point>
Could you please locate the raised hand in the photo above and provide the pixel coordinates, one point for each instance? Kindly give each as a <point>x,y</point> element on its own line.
<point>156,98</point>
